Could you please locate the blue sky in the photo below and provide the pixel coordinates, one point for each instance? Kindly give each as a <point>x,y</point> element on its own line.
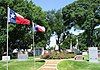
<point>52,4</point>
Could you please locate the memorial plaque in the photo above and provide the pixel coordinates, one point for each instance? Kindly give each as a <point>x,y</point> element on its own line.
<point>22,56</point>
<point>93,54</point>
<point>84,53</point>
<point>5,58</point>
<point>79,57</point>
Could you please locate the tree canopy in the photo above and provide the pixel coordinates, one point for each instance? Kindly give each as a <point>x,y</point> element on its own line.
<point>84,14</point>
<point>20,36</point>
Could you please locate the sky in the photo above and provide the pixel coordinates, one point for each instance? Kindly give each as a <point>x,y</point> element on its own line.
<point>97,27</point>
<point>75,31</point>
<point>52,4</point>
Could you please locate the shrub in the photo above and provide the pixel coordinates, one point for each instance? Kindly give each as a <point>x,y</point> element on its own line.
<point>58,55</point>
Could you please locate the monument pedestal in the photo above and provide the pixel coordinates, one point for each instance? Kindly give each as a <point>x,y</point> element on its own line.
<point>22,56</point>
<point>5,58</point>
<point>93,54</point>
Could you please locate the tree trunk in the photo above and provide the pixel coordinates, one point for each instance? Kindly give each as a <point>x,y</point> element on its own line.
<point>58,43</point>
<point>90,36</point>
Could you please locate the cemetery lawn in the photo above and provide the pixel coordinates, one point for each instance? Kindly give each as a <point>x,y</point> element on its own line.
<point>21,65</point>
<point>78,65</point>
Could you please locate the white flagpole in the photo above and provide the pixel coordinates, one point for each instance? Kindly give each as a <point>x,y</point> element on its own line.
<point>33,44</point>
<point>7,34</point>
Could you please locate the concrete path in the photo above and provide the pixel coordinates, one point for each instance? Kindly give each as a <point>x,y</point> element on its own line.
<point>50,65</point>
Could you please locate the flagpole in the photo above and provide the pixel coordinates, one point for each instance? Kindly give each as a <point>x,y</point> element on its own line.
<point>33,44</point>
<point>7,35</point>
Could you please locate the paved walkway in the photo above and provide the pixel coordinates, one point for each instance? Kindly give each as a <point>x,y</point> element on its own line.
<point>50,65</point>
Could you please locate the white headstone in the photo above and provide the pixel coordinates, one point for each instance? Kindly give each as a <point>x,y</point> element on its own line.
<point>84,53</point>
<point>5,58</point>
<point>22,56</point>
<point>93,54</point>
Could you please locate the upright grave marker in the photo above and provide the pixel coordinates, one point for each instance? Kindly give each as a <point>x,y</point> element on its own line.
<point>22,56</point>
<point>93,54</point>
<point>5,58</point>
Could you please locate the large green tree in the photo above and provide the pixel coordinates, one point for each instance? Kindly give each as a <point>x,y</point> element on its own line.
<point>56,24</point>
<point>86,15</point>
<point>20,36</point>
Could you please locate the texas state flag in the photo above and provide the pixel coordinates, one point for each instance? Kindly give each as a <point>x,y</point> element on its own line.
<point>14,17</point>
<point>39,28</point>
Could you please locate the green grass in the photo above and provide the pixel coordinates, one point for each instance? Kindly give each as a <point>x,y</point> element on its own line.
<point>78,65</point>
<point>21,65</point>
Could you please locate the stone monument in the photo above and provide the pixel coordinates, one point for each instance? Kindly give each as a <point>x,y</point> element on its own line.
<point>93,54</point>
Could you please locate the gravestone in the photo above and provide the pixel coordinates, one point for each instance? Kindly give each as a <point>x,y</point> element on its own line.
<point>84,53</point>
<point>93,54</point>
<point>79,57</point>
<point>5,58</point>
<point>22,56</point>
<point>99,55</point>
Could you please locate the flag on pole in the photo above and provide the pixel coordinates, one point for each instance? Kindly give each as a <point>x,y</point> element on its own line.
<point>39,28</point>
<point>14,17</point>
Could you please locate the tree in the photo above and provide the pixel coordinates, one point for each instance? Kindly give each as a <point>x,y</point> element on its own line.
<point>96,37</point>
<point>69,41</point>
<point>85,14</point>
<point>55,22</point>
<point>20,36</point>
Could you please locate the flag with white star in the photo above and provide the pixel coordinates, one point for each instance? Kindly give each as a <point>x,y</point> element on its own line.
<point>14,17</point>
